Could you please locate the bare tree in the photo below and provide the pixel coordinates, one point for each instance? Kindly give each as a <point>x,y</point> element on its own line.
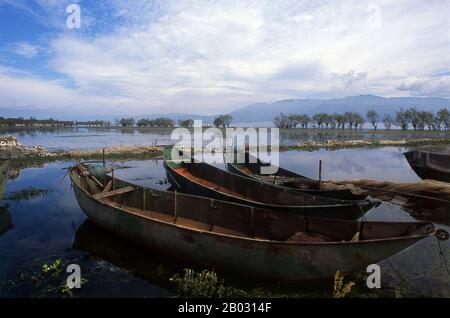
<point>402,119</point>
<point>372,116</point>
<point>444,117</point>
<point>305,120</point>
<point>350,119</point>
<point>388,121</point>
<point>414,117</point>
<point>358,119</point>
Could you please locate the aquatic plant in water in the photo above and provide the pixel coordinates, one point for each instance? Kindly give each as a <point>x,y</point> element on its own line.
<point>48,281</point>
<point>340,289</point>
<point>27,194</point>
<point>204,284</point>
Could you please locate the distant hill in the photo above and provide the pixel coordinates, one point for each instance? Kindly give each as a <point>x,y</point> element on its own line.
<point>362,103</point>
<point>265,112</point>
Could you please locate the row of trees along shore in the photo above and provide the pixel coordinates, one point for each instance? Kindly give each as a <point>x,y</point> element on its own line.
<point>404,118</point>
<point>161,122</point>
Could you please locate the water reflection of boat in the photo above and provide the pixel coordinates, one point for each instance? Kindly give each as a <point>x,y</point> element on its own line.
<point>238,238</point>
<point>202,179</point>
<point>430,162</point>
<point>149,265</point>
<point>427,210</point>
<point>5,220</point>
<point>252,166</point>
<point>5,217</point>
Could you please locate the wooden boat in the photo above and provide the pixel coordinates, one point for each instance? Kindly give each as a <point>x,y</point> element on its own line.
<point>205,180</point>
<point>430,162</point>
<point>238,238</point>
<point>251,168</point>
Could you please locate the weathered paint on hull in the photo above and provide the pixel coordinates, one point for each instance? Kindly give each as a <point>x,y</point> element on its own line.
<point>335,194</point>
<point>344,211</point>
<point>263,259</point>
<point>429,165</point>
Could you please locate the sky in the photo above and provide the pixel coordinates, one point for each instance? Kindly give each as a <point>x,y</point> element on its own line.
<point>207,57</point>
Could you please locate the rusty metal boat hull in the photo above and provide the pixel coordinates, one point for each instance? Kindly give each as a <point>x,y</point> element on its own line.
<point>430,163</point>
<point>206,180</point>
<point>240,238</point>
<point>290,179</point>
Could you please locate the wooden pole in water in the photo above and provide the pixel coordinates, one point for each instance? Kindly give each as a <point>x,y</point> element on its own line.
<point>175,212</point>
<point>103,157</point>
<point>320,175</point>
<point>143,198</point>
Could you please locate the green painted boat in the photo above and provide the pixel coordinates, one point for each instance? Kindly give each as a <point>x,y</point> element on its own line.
<point>238,238</point>
<point>430,162</point>
<point>252,166</point>
<point>202,179</point>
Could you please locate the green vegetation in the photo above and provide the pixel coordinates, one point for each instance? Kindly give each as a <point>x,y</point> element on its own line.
<point>223,121</point>
<point>340,290</point>
<point>27,194</point>
<point>47,281</point>
<point>161,122</point>
<point>52,123</point>
<point>404,118</point>
<point>187,123</point>
<point>204,284</point>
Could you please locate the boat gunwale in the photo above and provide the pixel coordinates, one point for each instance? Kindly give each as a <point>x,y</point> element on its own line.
<point>259,240</point>
<point>254,176</point>
<point>360,203</point>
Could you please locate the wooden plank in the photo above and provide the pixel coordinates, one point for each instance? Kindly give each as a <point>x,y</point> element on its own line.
<point>107,187</point>
<point>114,192</point>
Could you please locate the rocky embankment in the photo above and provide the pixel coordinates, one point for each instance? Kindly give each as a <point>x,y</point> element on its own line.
<point>10,148</point>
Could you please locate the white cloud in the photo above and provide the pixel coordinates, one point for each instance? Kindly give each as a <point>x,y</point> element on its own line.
<point>214,56</point>
<point>26,49</point>
<point>430,86</point>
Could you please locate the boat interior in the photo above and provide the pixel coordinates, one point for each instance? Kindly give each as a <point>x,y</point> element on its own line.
<point>247,188</point>
<point>204,214</point>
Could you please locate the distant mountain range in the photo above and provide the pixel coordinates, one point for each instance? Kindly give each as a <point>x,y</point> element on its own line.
<point>265,112</point>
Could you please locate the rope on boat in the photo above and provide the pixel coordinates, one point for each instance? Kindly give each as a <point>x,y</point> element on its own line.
<point>441,252</point>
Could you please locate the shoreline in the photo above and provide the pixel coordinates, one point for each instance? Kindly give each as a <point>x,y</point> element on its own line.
<point>38,154</point>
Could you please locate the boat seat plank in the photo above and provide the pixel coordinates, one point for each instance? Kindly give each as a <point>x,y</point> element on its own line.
<point>108,187</point>
<point>114,192</point>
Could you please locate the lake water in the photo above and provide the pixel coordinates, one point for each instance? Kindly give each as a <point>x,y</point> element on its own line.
<point>39,227</point>
<point>88,138</point>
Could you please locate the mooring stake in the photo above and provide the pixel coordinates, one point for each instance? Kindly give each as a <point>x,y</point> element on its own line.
<point>143,198</point>
<point>320,175</point>
<point>175,207</point>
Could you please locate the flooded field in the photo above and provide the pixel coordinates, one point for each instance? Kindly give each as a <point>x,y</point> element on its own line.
<point>42,224</point>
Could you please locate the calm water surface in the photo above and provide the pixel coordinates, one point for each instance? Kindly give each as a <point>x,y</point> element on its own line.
<point>39,229</point>
<point>85,138</point>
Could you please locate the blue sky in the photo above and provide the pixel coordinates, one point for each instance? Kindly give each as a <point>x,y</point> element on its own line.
<point>207,57</point>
